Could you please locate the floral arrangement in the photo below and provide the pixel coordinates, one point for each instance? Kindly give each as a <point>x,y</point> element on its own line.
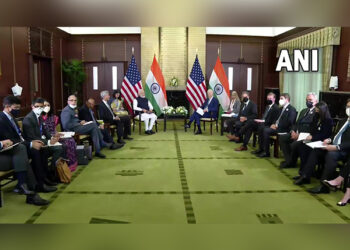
<point>174,82</point>
<point>168,110</point>
<point>181,110</point>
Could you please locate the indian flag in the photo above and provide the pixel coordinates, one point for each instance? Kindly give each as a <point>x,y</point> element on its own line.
<point>219,84</point>
<point>155,88</point>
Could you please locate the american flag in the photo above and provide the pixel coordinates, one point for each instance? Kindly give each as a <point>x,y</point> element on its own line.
<point>131,84</point>
<point>195,88</point>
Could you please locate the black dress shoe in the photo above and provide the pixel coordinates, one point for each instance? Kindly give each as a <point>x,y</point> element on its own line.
<point>100,155</point>
<point>121,141</point>
<point>322,189</point>
<point>342,204</point>
<point>35,199</point>
<point>116,146</point>
<point>257,152</point>
<point>151,131</point>
<point>302,180</point>
<point>50,183</point>
<point>128,138</point>
<point>296,177</point>
<point>148,132</point>
<point>45,189</point>
<point>23,189</point>
<point>264,155</point>
<point>198,132</point>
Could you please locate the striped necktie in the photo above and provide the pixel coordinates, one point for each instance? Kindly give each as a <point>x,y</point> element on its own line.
<point>337,138</point>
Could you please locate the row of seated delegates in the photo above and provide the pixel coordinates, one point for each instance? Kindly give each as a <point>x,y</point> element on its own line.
<point>210,108</point>
<point>70,122</point>
<point>122,122</point>
<point>141,105</point>
<point>69,145</point>
<point>337,148</point>
<point>87,114</point>
<point>31,178</point>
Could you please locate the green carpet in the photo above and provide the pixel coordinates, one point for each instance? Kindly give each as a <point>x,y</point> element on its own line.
<point>176,177</point>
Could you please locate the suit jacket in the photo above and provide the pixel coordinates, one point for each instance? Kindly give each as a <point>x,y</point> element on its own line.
<point>69,119</point>
<point>8,132</point>
<point>345,139</point>
<point>104,113</point>
<point>236,106</point>
<point>213,106</point>
<point>250,111</point>
<point>304,121</point>
<point>321,130</point>
<point>272,115</point>
<point>32,126</point>
<point>287,119</point>
<point>84,114</point>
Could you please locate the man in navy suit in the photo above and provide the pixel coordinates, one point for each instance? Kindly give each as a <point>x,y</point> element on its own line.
<point>210,108</point>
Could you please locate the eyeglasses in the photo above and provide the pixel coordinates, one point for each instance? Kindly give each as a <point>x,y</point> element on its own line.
<point>72,100</point>
<point>38,106</point>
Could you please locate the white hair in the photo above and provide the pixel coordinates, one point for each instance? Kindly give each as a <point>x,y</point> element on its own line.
<point>104,93</point>
<point>313,94</point>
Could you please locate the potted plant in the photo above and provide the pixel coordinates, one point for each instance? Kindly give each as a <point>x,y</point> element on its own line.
<point>74,76</point>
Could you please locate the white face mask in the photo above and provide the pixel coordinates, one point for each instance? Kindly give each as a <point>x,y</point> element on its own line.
<point>347,111</point>
<point>282,102</point>
<point>47,109</point>
<point>38,111</point>
<point>72,106</point>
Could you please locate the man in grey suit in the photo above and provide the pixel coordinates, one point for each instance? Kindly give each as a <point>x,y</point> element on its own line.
<point>70,122</point>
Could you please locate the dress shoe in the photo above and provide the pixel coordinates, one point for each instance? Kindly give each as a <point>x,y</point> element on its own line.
<point>257,152</point>
<point>23,189</point>
<point>232,138</point>
<point>198,132</point>
<point>147,132</point>
<point>322,189</point>
<point>128,138</point>
<point>330,186</point>
<point>45,189</point>
<point>151,131</point>
<point>242,148</point>
<point>50,183</point>
<point>296,177</point>
<point>264,155</point>
<point>121,141</point>
<point>302,180</point>
<point>187,126</point>
<point>100,155</point>
<point>342,204</point>
<point>35,199</point>
<point>116,146</point>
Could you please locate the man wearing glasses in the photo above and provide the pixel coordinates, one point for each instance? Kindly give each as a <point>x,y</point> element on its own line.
<point>70,122</point>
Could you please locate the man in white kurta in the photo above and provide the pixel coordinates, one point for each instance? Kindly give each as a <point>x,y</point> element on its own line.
<point>142,105</point>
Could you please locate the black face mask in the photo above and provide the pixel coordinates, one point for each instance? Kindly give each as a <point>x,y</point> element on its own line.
<point>309,104</point>
<point>269,102</point>
<point>245,99</point>
<point>15,112</point>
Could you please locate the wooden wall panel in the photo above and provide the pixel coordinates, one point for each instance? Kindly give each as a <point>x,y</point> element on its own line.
<point>342,58</point>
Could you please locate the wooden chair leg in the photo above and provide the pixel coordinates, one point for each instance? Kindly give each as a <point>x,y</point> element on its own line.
<point>217,126</point>
<point>185,122</point>
<point>222,127</point>
<point>204,125</point>
<point>275,148</point>
<point>211,128</point>
<point>133,125</point>
<point>140,127</point>
<point>156,123</point>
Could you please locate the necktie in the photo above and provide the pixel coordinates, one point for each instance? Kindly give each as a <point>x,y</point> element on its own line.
<point>110,110</point>
<point>337,138</point>
<point>92,115</point>
<point>244,106</point>
<point>16,128</point>
<point>266,112</point>
<point>278,120</point>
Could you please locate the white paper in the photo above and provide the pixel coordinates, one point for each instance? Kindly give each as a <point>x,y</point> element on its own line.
<point>8,148</point>
<point>200,111</point>
<point>86,123</point>
<point>54,145</point>
<point>316,144</point>
<point>229,115</point>
<point>302,136</point>
<point>95,77</point>
<point>284,133</point>
<point>67,134</point>
<point>249,79</point>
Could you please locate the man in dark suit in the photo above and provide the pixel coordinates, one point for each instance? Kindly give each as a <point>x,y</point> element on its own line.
<point>70,122</point>
<point>269,117</point>
<point>247,113</point>
<point>283,124</point>
<point>34,129</point>
<point>337,149</point>
<point>86,113</point>
<point>210,108</point>
<point>106,114</point>
<point>289,142</point>
<point>16,157</point>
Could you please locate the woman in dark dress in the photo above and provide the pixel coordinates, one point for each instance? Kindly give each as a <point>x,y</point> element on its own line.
<point>50,122</point>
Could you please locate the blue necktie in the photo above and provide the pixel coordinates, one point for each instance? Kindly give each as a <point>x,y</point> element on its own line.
<point>92,115</point>
<point>337,138</point>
